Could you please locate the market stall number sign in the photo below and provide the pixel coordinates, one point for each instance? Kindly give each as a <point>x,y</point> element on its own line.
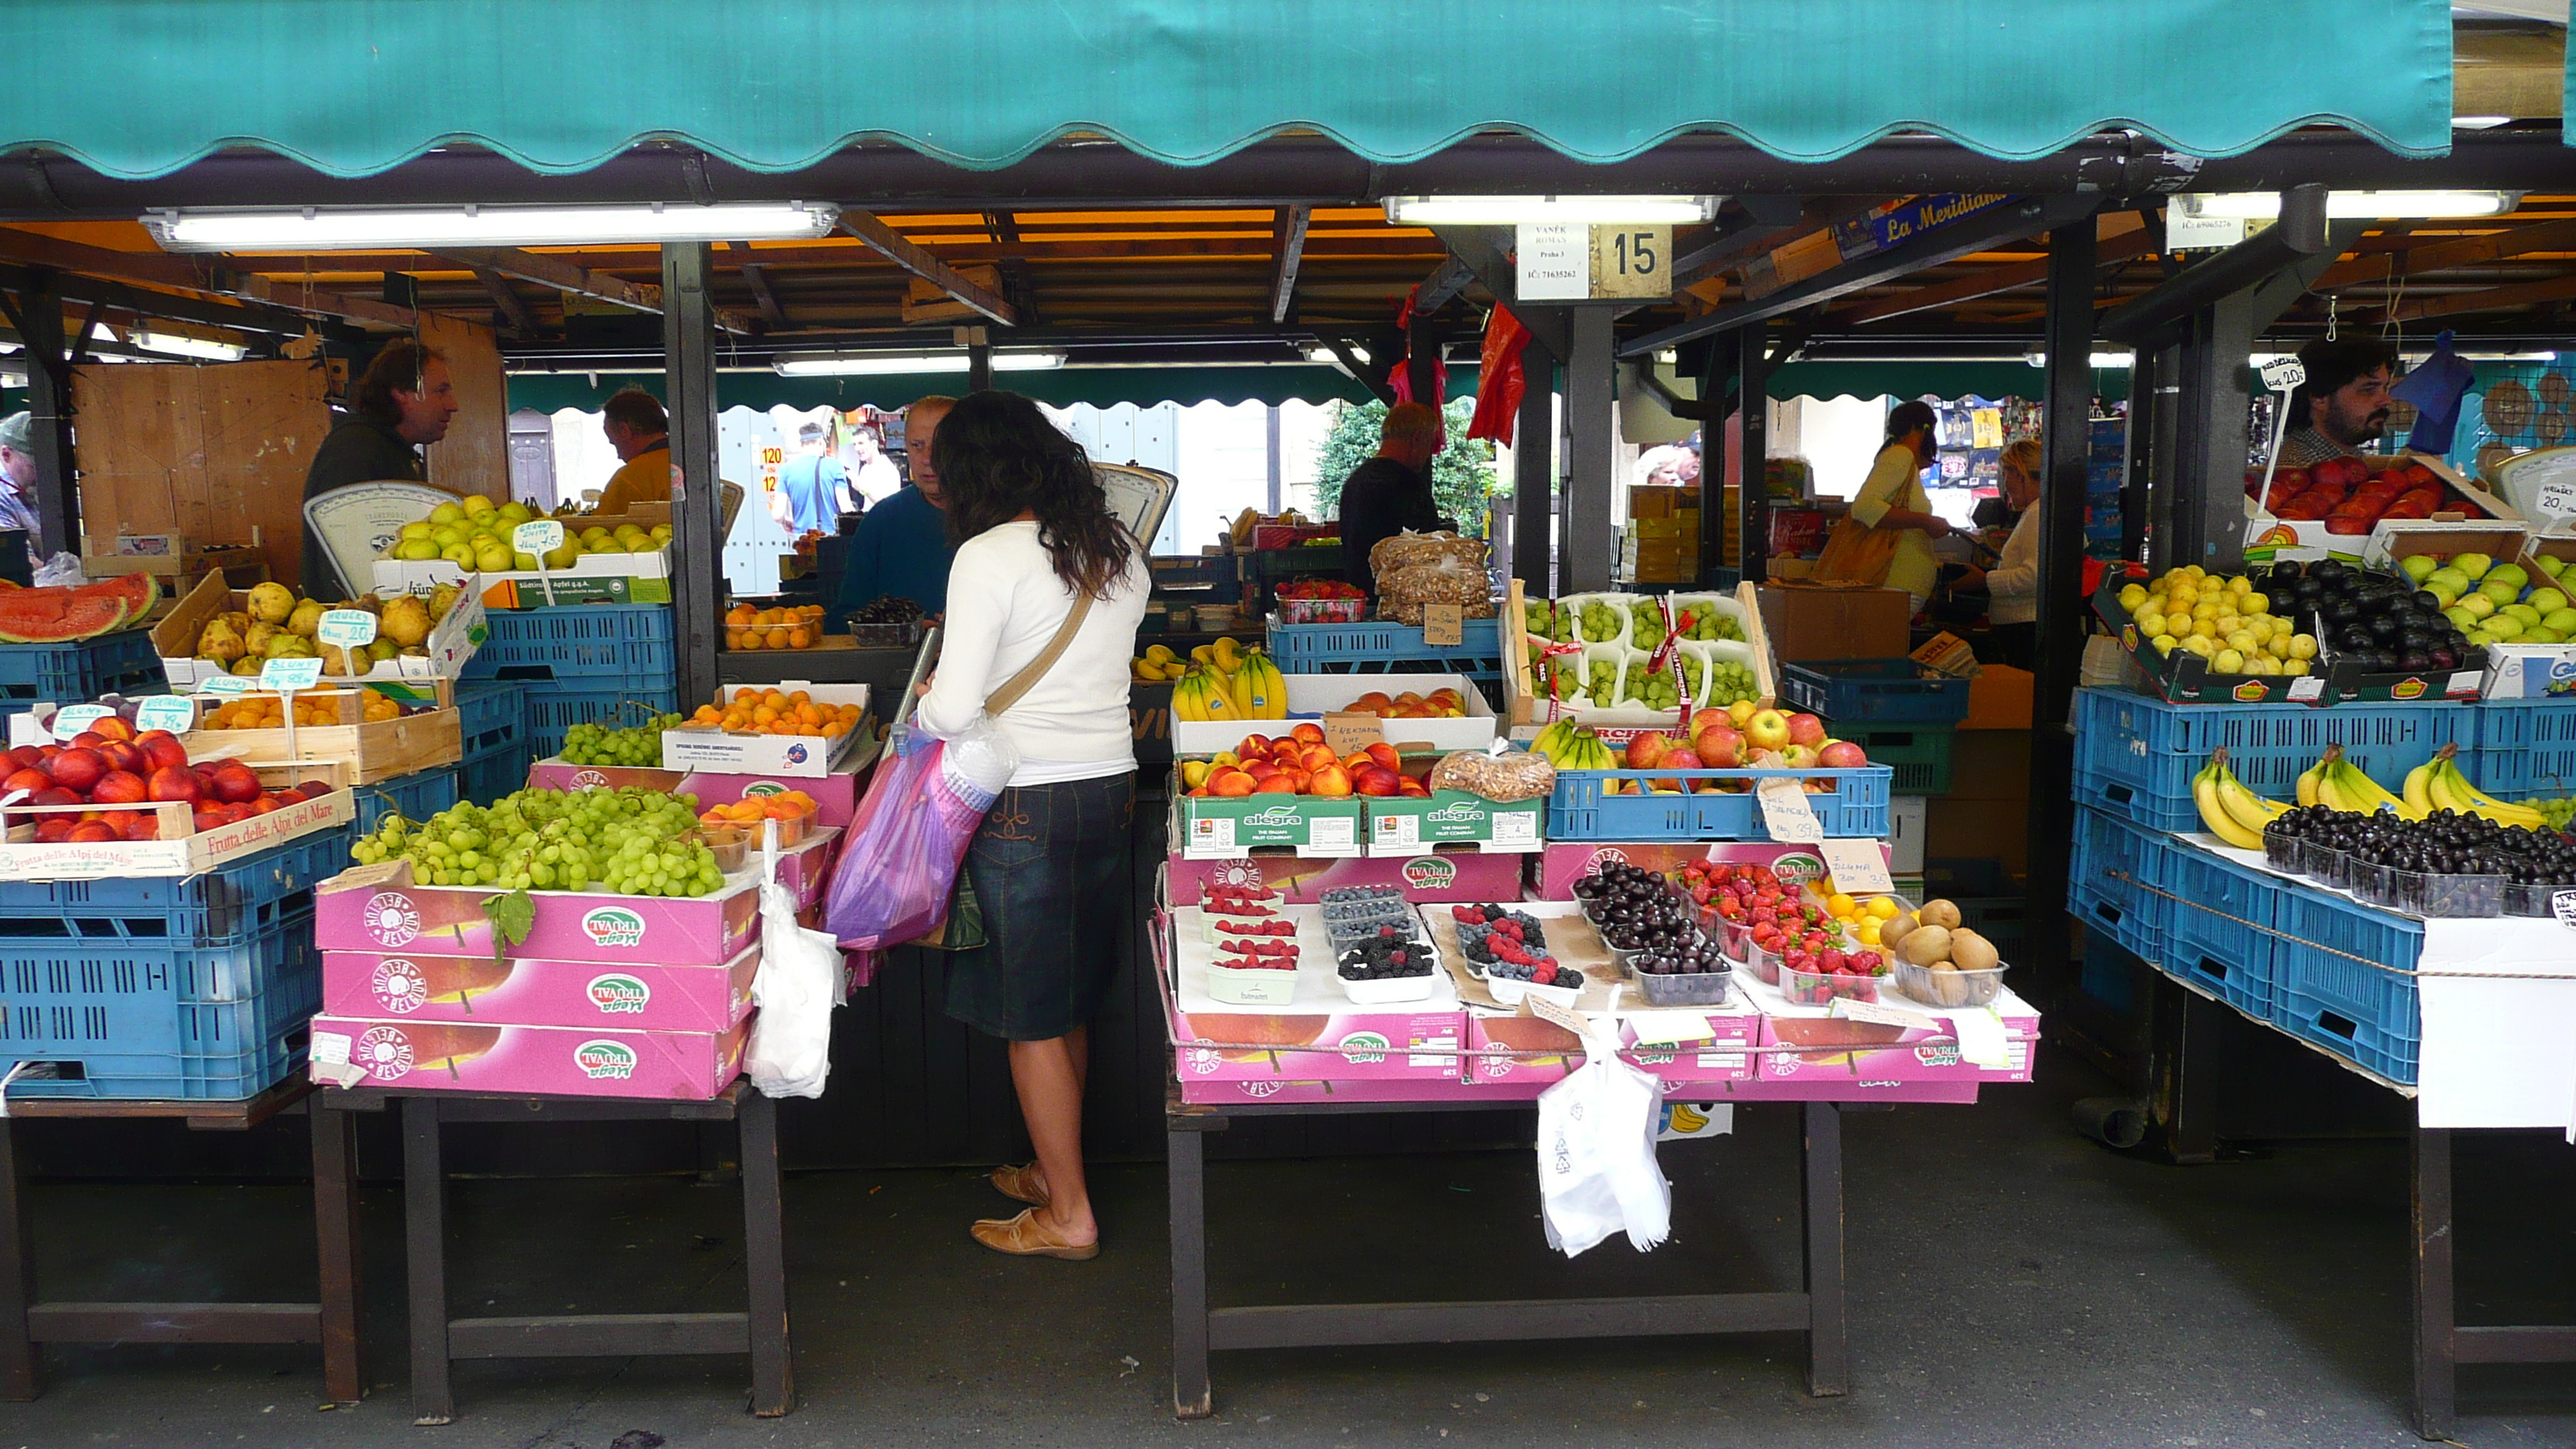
<point>1565,262</point>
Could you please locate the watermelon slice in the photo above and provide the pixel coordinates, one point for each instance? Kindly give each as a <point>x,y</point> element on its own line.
<point>139,591</point>
<point>55,616</point>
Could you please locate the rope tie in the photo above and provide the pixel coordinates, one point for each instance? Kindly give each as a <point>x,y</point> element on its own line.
<point>2124,876</point>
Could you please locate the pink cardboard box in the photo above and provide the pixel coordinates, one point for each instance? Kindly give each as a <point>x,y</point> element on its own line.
<point>378,908</point>
<point>1462,874</point>
<point>836,796</point>
<point>807,868</point>
<point>1722,1058</point>
<point>548,1060</point>
<point>1850,1051</point>
<point>1320,1034</point>
<point>1566,861</point>
<point>636,996</point>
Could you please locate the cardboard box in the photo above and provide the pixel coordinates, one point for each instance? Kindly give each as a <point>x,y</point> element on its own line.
<point>1403,825</point>
<point>835,796</point>
<point>1840,1051</point>
<point>1215,827</point>
<point>1667,529</point>
<point>241,566</point>
<point>635,996</point>
<point>587,1061</point>
<point>1999,698</point>
<point>594,578</point>
<point>1312,696</point>
<point>2529,671</point>
<point>1806,622</point>
<point>1319,1034</point>
<point>2183,677</point>
<point>1444,874</point>
<point>1650,501</point>
<point>706,749</point>
<point>452,639</point>
<point>180,851</point>
<point>2272,540</point>
<point>1566,861</point>
<point>1527,711</point>
<point>380,908</point>
<point>1725,1057</point>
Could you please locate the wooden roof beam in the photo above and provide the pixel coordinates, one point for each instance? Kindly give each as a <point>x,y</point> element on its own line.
<point>1289,243</point>
<point>563,276</point>
<point>757,279</point>
<point>159,269</point>
<point>2137,241</point>
<point>2493,299</point>
<point>507,298</point>
<point>868,228</point>
<point>2430,255</point>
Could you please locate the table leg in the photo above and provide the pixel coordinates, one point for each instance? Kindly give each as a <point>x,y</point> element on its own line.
<point>773,1379</point>
<point>425,1251</point>
<point>20,1378</point>
<point>1821,1179</point>
<point>2182,1074</point>
<point>1192,1398</point>
<point>334,1153</point>
<point>2436,1345</point>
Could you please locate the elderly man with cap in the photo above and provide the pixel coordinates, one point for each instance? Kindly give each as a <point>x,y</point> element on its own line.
<point>18,480</point>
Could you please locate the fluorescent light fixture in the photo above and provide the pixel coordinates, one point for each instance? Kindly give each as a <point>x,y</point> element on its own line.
<point>1324,355</point>
<point>180,345</point>
<point>1582,210</point>
<point>882,364</point>
<point>315,229</point>
<point>2037,358</point>
<point>2356,205</point>
<point>2478,123</point>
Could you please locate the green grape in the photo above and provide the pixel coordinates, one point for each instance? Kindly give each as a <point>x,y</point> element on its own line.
<point>545,839</point>
<point>1645,625</point>
<point>597,744</point>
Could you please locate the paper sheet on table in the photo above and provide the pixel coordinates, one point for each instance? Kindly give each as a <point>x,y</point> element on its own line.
<point>1670,1028</point>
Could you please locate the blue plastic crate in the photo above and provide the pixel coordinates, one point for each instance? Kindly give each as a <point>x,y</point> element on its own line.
<point>2349,1006</point>
<point>124,662</point>
<point>1340,648</point>
<point>491,713</point>
<point>486,777</point>
<point>555,708</point>
<point>1875,691</point>
<point>221,906</point>
<point>2524,747</point>
<point>2135,755</point>
<point>2218,930</point>
<point>591,642</point>
<point>416,796</point>
<point>116,1017</point>
<point>1579,810</point>
<point>2114,880</point>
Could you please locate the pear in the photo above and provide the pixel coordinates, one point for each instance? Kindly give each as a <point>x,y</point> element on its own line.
<point>283,645</point>
<point>272,602</point>
<point>256,640</point>
<point>248,665</point>
<point>406,621</point>
<point>335,660</point>
<point>306,620</point>
<point>220,642</point>
<point>382,648</point>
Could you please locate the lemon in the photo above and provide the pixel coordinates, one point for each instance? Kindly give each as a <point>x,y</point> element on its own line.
<point>2294,666</point>
<point>2164,643</point>
<point>1868,933</point>
<point>2131,597</point>
<point>2228,661</point>
<point>1839,904</point>
<point>2199,644</point>
<point>2151,624</point>
<point>1883,908</point>
<point>2303,647</point>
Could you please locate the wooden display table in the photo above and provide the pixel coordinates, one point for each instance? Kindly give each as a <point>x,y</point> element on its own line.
<point>26,1322</point>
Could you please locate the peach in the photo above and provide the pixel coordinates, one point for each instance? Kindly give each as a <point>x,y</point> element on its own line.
<point>1308,733</point>
<point>1386,756</point>
<point>1377,780</point>
<point>1276,785</point>
<point>1332,780</point>
<point>1231,782</point>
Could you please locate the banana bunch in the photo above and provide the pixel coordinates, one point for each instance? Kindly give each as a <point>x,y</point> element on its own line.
<point>1203,694</point>
<point>1260,691</point>
<point>2338,784</point>
<point>1570,746</point>
<point>2231,809</point>
<point>1157,665</point>
<point>1225,680</point>
<point>2438,785</point>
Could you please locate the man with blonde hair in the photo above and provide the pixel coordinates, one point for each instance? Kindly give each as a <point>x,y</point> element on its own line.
<point>1391,492</point>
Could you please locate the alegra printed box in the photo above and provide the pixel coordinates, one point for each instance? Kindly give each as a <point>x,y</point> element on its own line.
<point>379,908</point>
<point>548,1060</point>
<point>645,996</point>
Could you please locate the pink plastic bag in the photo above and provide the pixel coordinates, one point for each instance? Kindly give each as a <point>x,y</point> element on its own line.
<point>911,832</point>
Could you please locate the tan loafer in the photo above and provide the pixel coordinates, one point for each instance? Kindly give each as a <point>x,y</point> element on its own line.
<point>1020,1184</point>
<point>1029,1236</point>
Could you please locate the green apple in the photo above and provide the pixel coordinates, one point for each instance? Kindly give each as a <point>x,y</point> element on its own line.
<point>493,558</point>
<point>419,529</point>
<point>458,554</point>
<point>2478,605</point>
<point>2527,614</point>
<point>447,513</point>
<point>525,563</point>
<point>2419,566</point>
<point>2502,593</point>
<point>2460,616</point>
<point>2547,600</point>
<point>2473,565</point>
<point>416,549</point>
<point>2552,565</point>
<point>563,557</point>
<point>2562,620</point>
<point>2505,626</point>
<point>2514,574</point>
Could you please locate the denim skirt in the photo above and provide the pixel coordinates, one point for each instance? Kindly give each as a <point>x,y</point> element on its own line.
<point>1050,871</point>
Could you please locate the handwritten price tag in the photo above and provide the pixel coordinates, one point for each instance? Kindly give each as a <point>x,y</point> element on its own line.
<point>1555,1015</point>
<point>1348,734</point>
<point>348,628</point>
<point>288,675</point>
<point>2282,374</point>
<point>73,719</point>
<point>176,713</point>
<point>1444,624</point>
<point>1786,813</point>
<point>542,537</point>
<point>227,686</point>
<point>1859,867</point>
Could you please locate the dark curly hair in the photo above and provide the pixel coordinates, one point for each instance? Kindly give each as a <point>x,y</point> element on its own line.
<point>999,457</point>
<point>397,368</point>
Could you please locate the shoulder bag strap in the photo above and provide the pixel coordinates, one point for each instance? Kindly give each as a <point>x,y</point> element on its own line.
<point>1022,682</point>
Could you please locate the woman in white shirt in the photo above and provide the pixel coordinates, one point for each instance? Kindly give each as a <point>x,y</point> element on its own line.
<point>1050,865</point>
<point>2012,585</point>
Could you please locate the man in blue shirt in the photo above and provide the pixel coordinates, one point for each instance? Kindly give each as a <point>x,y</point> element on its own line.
<point>813,491</point>
<point>901,546</point>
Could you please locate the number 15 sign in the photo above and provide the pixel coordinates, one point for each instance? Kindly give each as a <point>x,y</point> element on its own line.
<point>1566,262</point>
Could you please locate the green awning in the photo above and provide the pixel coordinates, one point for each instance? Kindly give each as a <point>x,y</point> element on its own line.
<point>1930,379</point>
<point>138,88</point>
<point>1064,387</point>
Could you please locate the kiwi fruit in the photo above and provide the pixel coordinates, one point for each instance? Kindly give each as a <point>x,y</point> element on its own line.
<point>1938,913</point>
<point>1894,929</point>
<point>1972,951</point>
<point>1925,945</point>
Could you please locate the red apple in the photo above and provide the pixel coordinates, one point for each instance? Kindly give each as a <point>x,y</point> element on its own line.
<point>1647,748</point>
<point>91,832</point>
<point>175,782</point>
<point>1806,729</point>
<point>1767,729</point>
<point>1719,746</point>
<point>119,787</point>
<point>79,770</point>
<point>235,784</point>
<point>30,781</point>
<point>1842,755</point>
<point>1676,760</point>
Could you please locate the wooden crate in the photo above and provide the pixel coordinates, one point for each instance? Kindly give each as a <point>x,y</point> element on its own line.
<point>375,750</point>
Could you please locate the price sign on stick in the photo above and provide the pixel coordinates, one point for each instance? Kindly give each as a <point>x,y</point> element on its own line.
<point>176,713</point>
<point>72,719</point>
<point>227,686</point>
<point>1786,813</point>
<point>286,676</point>
<point>2282,375</point>
<point>537,539</point>
<point>348,628</point>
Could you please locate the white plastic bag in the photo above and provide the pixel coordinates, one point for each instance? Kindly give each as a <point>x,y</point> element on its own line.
<point>1597,1173</point>
<point>796,987</point>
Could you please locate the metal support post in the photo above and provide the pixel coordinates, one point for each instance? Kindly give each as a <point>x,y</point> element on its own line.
<point>2164,461</point>
<point>49,399</point>
<point>1534,473</point>
<point>2436,1335</point>
<point>2146,410</point>
<point>1753,452</point>
<point>697,497</point>
<point>979,366</point>
<point>2182,1073</point>
<point>1716,377</point>
<point>1820,1175</point>
<point>1586,556</point>
<point>21,1370</point>
<point>1421,358</point>
<point>2209,481</point>
<point>2066,444</point>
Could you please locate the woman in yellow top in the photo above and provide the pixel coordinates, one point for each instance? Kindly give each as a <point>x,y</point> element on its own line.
<point>1894,498</point>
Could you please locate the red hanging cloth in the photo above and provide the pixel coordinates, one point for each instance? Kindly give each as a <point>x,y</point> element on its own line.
<point>1500,381</point>
<point>1400,381</point>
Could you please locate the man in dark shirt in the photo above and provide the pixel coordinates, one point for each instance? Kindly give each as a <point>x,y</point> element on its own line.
<point>1391,492</point>
<point>2344,402</point>
<point>403,400</point>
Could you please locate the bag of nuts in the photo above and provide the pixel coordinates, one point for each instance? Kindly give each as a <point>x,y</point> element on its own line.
<point>1502,778</point>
